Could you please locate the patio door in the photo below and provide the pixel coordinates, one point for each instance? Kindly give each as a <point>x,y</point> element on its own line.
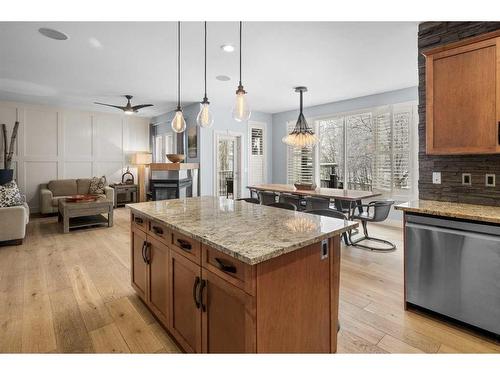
<point>228,165</point>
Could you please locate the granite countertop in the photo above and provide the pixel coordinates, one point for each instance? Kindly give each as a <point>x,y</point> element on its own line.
<point>455,210</point>
<point>249,232</point>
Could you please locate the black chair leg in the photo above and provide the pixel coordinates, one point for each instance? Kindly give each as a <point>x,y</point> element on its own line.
<point>356,242</point>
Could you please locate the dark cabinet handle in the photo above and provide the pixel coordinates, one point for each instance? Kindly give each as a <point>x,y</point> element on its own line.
<point>184,244</point>
<point>143,251</point>
<point>195,291</point>
<point>225,266</point>
<point>138,220</point>
<point>157,230</point>
<point>147,252</point>
<point>203,284</point>
<point>498,133</point>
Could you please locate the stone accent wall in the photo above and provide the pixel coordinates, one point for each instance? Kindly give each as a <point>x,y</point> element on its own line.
<point>433,34</point>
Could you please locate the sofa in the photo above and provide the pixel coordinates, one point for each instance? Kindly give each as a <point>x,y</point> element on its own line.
<point>51,193</point>
<point>14,220</point>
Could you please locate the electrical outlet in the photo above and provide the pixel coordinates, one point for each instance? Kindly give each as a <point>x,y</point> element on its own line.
<point>466,179</point>
<point>436,177</point>
<point>490,180</point>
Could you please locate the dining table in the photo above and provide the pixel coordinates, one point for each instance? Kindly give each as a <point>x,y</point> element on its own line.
<point>352,197</point>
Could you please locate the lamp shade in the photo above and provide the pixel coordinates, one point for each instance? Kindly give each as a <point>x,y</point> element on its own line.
<point>143,158</point>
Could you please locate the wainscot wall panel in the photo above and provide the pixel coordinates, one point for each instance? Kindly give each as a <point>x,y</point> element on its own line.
<point>430,35</point>
<point>56,143</point>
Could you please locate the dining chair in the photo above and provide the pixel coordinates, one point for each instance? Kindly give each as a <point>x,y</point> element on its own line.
<point>254,193</point>
<point>343,206</point>
<point>316,203</point>
<point>249,200</point>
<point>267,197</point>
<point>291,198</point>
<point>331,213</point>
<point>284,205</point>
<point>376,211</point>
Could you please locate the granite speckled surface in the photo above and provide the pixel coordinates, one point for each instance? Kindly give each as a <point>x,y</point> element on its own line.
<point>489,214</point>
<point>249,232</point>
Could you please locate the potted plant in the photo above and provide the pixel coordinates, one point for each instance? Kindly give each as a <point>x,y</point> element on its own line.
<point>7,174</point>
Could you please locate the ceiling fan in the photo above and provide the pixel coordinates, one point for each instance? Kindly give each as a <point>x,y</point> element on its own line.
<point>128,109</point>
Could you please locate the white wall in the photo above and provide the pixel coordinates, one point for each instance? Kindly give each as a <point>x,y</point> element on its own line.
<point>56,143</point>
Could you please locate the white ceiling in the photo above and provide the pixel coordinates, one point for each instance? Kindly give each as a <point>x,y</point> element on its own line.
<point>335,60</point>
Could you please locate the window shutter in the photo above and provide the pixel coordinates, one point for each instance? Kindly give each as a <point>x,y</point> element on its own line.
<point>257,142</point>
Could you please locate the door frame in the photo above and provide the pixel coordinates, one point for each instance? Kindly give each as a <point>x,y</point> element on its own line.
<point>263,126</point>
<point>239,138</point>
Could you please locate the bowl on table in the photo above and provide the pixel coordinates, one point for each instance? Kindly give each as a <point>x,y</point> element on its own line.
<point>176,158</point>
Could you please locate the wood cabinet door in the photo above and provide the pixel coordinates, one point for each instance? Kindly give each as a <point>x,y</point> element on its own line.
<point>228,317</point>
<point>139,268</point>
<point>185,315</point>
<point>158,256</point>
<point>463,89</point>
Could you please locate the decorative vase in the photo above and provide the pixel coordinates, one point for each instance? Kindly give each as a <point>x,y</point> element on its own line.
<point>6,175</point>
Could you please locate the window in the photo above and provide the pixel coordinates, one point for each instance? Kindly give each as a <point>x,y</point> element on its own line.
<point>365,150</point>
<point>300,166</point>
<point>158,149</point>
<point>257,141</point>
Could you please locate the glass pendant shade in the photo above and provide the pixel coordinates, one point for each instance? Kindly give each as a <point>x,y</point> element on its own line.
<point>178,122</point>
<point>241,109</point>
<point>302,135</point>
<point>205,118</point>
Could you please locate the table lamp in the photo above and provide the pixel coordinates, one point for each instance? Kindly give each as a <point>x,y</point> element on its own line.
<point>142,159</point>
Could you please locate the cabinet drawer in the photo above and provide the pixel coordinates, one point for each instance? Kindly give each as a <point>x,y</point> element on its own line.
<point>186,246</point>
<point>158,231</point>
<point>139,221</point>
<point>240,274</point>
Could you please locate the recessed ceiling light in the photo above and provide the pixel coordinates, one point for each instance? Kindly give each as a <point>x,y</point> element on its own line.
<point>223,78</point>
<point>53,34</point>
<point>227,47</point>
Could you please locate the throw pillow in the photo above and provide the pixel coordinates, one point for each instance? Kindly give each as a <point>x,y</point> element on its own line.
<point>10,195</point>
<point>97,185</point>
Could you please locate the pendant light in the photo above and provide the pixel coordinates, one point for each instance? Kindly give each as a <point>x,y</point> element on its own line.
<point>241,110</point>
<point>302,135</point>
<point>204,118</point>
<point>178,122</point>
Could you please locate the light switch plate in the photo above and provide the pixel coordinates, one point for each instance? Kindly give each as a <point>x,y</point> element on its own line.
<point>466,179</point>
<point>436,177</point>
<point>490,180</point>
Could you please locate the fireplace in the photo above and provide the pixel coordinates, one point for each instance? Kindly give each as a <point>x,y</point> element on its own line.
<point>170,189</point>
<point>172,181</point>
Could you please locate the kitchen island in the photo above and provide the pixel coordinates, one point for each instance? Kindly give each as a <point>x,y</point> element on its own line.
<point>226,276</point>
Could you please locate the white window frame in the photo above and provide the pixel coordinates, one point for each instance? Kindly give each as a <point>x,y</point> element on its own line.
<point>263,126</point>
<point>412,138</point>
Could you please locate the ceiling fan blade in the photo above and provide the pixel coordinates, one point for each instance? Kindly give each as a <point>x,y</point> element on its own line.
<point>137,107</point>
<point>111,105</point>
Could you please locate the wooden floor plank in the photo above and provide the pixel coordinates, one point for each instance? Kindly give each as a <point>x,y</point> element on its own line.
<point>71,333</point>
<point>38,328</point>
<point>135,331</point>
<point>393,345</point>
<point>108,339</point>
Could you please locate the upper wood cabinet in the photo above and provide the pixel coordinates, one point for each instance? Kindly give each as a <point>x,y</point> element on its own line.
<point>463,97</point>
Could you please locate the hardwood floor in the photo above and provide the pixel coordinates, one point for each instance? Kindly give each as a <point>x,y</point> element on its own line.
<point>71,293</point>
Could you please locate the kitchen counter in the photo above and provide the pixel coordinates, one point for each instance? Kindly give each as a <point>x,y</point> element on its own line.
<point>490,214</point>
<point>225,276</point>
<point>251,233</point>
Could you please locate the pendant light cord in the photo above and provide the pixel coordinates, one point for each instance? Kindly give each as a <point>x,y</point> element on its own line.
<point>178,64</point>
<point>301,101</point>
<point>205,61</point>
<point>241,23</point>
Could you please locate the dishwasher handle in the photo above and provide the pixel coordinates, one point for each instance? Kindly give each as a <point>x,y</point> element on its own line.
<point>454,231</point>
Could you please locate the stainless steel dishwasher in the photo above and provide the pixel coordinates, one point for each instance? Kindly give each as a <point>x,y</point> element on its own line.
<point>453,268</point>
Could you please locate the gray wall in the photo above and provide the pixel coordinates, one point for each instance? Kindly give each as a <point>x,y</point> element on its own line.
<point>280,120</point>
<point>432,34</point>
<point>223,123</point>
